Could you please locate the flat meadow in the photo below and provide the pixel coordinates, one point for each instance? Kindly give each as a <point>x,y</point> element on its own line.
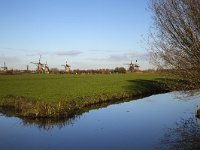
<point>53,95</point>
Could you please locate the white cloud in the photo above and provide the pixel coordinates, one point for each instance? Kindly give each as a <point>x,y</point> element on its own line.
<point>10,59</point>
<point>118,57</point>
<point>13,49</point>
<point>68,53</point>
<point>138,55</point>
<point>57,53</point>
<point>124,56</point>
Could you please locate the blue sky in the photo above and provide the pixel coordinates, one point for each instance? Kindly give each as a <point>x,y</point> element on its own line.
<point>90,34</point>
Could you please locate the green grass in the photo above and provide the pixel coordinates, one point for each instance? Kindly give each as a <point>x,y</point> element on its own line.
<point>65,94</point>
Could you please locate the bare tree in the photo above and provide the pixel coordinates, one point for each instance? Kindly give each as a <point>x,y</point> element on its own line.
<point>176,38</point>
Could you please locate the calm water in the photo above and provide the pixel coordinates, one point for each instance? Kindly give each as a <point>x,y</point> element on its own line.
<point>138,124</point>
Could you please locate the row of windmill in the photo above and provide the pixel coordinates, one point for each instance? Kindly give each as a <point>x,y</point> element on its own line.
<point>41,68</point>
<point>44,68</point>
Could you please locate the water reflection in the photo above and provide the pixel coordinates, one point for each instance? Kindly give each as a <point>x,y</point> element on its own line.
<point>142,124</point>
<point>187,95</point>
<point>185,135</point>
<point>50,123</point>
<point>47,123</point>
<point>40,123</point>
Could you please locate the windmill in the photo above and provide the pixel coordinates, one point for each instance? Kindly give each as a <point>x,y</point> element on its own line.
<point>4,67</point>
<point>27,68</point>
<point>133,67</point>
<point>67,68</point>
<point>39,65</point>
<point>46,68</point>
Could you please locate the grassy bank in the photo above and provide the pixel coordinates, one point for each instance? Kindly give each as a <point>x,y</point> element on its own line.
<point>40,95</point>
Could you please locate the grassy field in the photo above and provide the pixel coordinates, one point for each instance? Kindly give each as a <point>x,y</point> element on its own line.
<point>52,95</point>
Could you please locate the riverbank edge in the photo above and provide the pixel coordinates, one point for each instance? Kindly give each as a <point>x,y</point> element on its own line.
<point>26,107</point>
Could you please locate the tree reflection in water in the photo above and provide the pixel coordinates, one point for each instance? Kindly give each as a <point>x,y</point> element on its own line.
<point>47,123</point>
<point>185,136</point>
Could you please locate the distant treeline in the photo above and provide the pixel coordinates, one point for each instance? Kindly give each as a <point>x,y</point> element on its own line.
<point>92,71</point>
<point>77,71</point>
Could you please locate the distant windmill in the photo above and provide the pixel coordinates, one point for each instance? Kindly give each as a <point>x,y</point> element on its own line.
<point>133,67</point>
<point>46,68</point>
<point>27,68</point>
<point>39,65</point>
<point>67,67</point>
<point>4,67</point>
